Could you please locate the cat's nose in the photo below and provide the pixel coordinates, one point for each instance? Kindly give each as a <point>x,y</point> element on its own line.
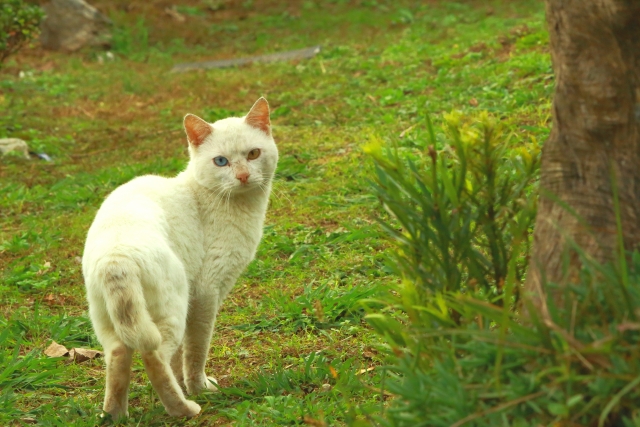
<point>243,177</point>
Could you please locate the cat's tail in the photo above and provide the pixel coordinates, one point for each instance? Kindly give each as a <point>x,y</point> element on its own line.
<point>126,304</point>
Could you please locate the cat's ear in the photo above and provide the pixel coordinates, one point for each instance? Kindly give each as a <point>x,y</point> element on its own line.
<point>197,129</point>
<point>258,116</point>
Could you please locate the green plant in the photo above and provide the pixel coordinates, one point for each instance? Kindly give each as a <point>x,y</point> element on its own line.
<point>459,206</point>
<point>461,356</point>
<point>20,370</point>
<point>575,364</point>
<point>131,41</point>
<point>19,23</point>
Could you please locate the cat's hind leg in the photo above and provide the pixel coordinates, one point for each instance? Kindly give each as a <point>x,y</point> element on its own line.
<point>118,360</point>
<point>158,364</point>
<point>165,384</point>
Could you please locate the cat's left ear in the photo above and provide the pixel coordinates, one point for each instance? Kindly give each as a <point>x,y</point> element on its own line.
<point>197,129</point>
<point>258,116</point>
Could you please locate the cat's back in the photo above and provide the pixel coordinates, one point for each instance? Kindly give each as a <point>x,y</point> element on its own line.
<point>144,197</point>
<point>142,210</point>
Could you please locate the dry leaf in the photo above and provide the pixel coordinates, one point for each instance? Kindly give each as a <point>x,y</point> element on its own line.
<point>407,130</point>
<point>473,102</point>
<point>333,371</point>
<point>317,308</point>
<point>56,350</point>
<point>177,16</point>
<point>362,371</point>
<point>628,326</point>
<point>79,355</point>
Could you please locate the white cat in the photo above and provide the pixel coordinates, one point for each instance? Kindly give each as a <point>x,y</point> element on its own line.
<point>163,253</point>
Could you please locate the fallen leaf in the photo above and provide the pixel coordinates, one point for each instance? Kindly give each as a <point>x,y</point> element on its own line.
<point>362,371</point>
<point>317,308</point>
<point>79,355</point>
<point>47,66</point>
<point>473,102</point>
<point>177,16</point>
<point>628,326</point>
<point>407,130</point>
<point>56,350</point>
<point>333,371</point>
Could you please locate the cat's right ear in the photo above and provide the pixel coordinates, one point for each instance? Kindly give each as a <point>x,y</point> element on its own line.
<point>197,129</point>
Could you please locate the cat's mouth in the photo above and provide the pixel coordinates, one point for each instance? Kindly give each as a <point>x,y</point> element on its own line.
<point>242,187</point>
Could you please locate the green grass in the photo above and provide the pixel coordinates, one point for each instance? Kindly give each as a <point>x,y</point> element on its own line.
<point>290,340</point>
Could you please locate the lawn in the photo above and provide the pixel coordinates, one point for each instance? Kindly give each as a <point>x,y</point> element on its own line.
<point>291,346</point>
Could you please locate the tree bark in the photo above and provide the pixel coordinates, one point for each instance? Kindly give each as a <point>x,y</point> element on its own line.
<point>595,50</point>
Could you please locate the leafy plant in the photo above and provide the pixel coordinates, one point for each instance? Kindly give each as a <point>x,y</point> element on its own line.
<point>459,209</point>
<point>131,41</point>
<point>459,354</point>
<point>19,23</point>
<point>576,364</point>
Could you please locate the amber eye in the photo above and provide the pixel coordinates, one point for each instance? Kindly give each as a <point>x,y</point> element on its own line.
<point>254,154</point>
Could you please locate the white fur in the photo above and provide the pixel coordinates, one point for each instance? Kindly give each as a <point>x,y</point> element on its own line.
<point>163,253</point>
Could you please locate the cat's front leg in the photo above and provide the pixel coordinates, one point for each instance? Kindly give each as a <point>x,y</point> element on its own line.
<point>200,324</point>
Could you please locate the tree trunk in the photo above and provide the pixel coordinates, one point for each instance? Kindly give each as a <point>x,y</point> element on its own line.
<point>595,49</point>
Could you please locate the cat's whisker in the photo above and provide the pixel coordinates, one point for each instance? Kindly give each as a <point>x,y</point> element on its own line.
<point>280,195</point>
<point>215,197</point>
<point>228,198</point>
<point>212,194</point>
<point>217,202</point>
<point>216,192</point>
<point>264,189</point>
<point>220,199</point>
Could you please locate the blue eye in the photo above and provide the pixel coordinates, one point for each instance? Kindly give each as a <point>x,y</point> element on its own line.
<point>220,161</point>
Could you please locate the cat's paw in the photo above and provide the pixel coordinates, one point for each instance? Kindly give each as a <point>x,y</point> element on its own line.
<point>114,416</point>
<point>212,384</point>
<point>202,384</point>
<point>188,408</point>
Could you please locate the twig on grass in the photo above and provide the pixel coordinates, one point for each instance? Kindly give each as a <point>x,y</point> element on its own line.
<point>306,53</point>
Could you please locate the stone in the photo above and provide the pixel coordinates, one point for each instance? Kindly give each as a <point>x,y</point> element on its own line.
<point>14,144</point>
<point>72,24</point>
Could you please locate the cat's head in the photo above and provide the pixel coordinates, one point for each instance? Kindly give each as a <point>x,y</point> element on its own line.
<point>235,154</point>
